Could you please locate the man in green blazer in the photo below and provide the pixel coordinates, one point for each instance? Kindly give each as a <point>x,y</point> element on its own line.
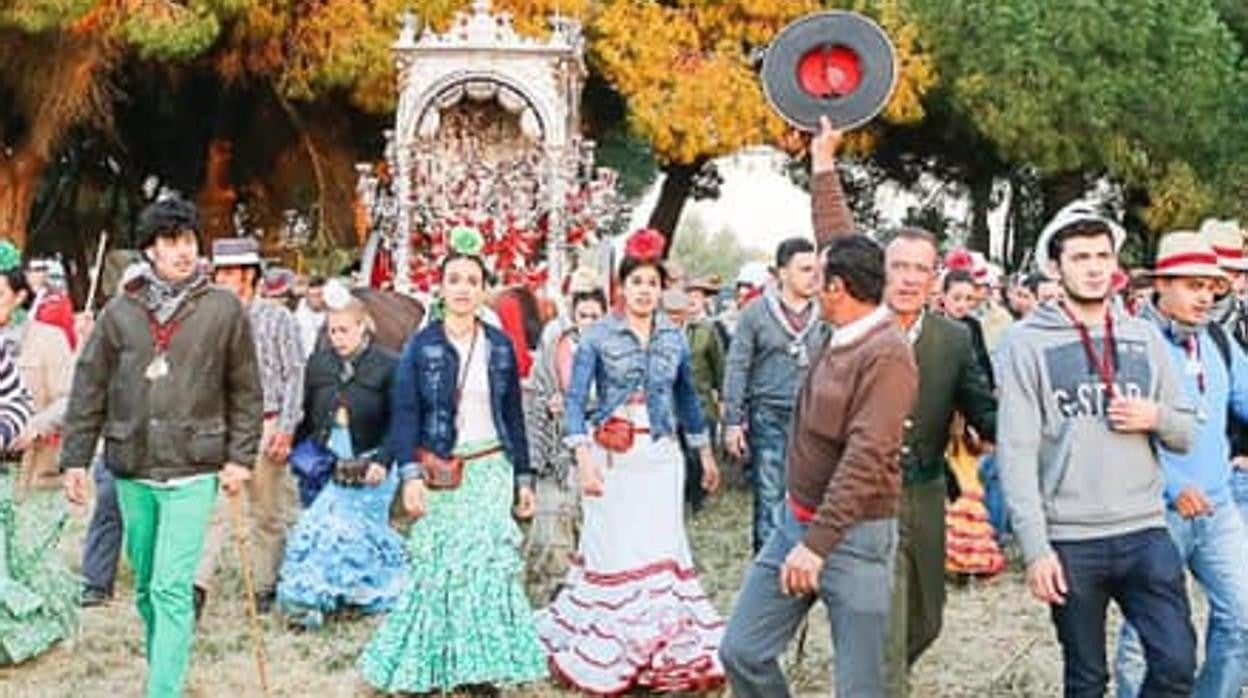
<point>950,380</point>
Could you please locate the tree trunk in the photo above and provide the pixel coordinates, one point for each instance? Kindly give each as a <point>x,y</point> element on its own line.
<point>1061,189</point>
<point>981,201</point>
<point>677,186</point>
<point>19,180</point>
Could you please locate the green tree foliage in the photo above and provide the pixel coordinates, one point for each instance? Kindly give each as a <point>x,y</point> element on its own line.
<point>1148,92</point>
<point>702,252</point>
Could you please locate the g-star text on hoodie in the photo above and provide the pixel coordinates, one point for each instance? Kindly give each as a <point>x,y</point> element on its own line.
<point>1077,387</point>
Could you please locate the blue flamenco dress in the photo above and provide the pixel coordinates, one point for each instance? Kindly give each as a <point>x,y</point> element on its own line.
<point>343,554</point>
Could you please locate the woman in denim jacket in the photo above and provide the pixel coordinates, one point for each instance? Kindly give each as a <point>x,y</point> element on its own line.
<point>632,613</point>
<point>465,621</point>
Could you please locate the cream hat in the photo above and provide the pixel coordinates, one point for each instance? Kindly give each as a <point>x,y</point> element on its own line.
<point>1185,253</point>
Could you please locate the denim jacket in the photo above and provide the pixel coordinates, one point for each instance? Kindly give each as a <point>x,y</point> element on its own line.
<point>423,408</point>
<point>611,359</point>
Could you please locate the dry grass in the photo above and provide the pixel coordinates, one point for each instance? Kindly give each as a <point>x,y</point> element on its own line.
<point>996,642</point>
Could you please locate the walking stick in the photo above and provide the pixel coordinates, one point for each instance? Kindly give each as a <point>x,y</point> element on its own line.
<point>249,589</point>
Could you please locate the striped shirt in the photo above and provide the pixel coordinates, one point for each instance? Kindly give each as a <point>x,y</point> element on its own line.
<point>281,359</point>
<point>16,406</point>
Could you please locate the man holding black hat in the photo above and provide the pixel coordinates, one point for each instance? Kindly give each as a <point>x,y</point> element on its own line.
<point>237,267</point>
<point>169,378</point>
<point>950,379</point>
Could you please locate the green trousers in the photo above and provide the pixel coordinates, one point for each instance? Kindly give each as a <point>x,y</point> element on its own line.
<point>165,529</point>
<point>918,603</point>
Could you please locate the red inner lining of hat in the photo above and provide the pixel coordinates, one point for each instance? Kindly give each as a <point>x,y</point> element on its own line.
<point>829,71</point>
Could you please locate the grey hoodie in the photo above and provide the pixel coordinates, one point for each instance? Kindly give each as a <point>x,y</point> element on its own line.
<point>1066,474</point>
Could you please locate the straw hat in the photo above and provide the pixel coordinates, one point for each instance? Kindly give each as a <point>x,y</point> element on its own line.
<point>1185,253</point>
<point>709,284</point>
<point>1227,240</point>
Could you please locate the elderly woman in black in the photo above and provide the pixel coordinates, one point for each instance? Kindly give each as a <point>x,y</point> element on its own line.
<point>343,552</point>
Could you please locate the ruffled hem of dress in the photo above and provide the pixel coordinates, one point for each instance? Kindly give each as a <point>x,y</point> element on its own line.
<point>650,628</point>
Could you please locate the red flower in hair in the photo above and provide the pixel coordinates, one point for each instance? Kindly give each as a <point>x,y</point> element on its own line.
<point>959,259</point>
<point>646,245</point>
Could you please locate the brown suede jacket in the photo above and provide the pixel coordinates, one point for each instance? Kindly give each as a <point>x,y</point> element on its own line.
<point>844,451</point>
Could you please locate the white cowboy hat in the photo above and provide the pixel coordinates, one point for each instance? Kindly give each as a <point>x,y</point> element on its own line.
<point>1186,253</point>
<point>1072,214</point>
<point>1227,240</point>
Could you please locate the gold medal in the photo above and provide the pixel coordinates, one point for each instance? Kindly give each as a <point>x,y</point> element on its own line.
<point>159,368</point>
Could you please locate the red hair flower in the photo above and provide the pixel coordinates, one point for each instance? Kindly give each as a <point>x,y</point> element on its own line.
<point>646,245</point>
<point>959,258</point>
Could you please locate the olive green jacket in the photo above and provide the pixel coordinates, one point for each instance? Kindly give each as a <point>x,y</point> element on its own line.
<point>707,362</point>
<point>950,379</point>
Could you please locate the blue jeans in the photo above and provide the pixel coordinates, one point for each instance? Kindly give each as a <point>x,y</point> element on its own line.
<point>103,544</point>
<point>994,495</point>
<point>768,444</point>
<point>1239,490</point>
<point>1143,573</point>
<point>855,587</point>
<point>1216,552</point>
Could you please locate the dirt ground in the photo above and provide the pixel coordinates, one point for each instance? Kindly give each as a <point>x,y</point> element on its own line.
<point>996,640</point>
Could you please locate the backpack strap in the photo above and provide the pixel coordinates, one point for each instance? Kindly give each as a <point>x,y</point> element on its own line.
<point>1223,342</point>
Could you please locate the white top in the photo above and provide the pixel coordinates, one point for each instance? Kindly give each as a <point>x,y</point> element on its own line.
<point>475,419</point>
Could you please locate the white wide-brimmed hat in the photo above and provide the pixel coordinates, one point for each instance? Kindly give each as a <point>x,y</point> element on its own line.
<point>1074,214</point>
<point>1227,240</point>
<point>1186,253</point>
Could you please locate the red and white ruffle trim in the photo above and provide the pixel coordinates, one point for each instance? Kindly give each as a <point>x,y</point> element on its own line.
<point>653,628</point>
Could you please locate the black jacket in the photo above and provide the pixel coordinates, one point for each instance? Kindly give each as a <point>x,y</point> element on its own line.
<point>365,393</point>
<point>205,412</point>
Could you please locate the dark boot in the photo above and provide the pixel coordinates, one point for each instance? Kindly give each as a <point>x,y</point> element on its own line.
<point>92,597</point>
<point>201,598</point>
<point>264,601</point>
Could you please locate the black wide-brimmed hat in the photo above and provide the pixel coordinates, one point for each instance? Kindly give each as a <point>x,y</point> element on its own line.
<point>836,64</point>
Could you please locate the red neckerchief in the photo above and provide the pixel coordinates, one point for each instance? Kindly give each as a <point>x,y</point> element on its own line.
<point>1105,364</point>
<point>1192,345</point>
<point>162,335</point>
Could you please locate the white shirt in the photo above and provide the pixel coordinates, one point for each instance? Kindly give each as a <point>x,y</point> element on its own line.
<point>475,417</point>
<point>858,328</point>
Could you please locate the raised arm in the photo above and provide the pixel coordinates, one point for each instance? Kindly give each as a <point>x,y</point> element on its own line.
<point>829,211</point>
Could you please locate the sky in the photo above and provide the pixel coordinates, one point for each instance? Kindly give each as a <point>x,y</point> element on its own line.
<point>761,206</point>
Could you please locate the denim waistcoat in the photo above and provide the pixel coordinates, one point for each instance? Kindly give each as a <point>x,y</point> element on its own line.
<point>423,406</point>
<point>611,360</point>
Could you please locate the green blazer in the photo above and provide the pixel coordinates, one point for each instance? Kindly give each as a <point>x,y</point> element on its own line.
<point>950,379</point>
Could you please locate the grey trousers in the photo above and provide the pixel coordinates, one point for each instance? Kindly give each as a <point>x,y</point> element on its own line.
<point>855,587</point>
<point>102,547</point>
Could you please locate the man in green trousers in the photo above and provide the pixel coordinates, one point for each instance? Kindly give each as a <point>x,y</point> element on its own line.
<point>950,380</point>
<point>169,378</point>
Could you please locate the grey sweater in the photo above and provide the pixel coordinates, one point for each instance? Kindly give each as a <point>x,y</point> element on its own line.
<point>1066,474</point>
<point>765,364</point>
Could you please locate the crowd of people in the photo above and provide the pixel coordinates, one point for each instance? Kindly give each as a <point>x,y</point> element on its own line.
<point>903,417</point>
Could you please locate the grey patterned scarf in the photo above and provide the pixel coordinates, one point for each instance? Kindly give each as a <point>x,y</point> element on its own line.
<point>163,298</point>
<point>1178,332</point>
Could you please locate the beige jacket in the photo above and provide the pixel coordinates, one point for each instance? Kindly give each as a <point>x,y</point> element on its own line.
<point>47,365</point>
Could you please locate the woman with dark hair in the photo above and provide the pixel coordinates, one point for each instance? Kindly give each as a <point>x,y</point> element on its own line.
<point>46,364</point>
<point>458,429</point>
<point>632,614</point>
<point>552,537</point>
<point>343,553</point>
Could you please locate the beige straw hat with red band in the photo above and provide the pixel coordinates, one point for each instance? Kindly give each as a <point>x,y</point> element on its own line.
<point>1186,253</point>
<point>1227,240</point>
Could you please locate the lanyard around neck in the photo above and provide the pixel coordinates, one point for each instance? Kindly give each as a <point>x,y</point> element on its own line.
<point>1104,363</point>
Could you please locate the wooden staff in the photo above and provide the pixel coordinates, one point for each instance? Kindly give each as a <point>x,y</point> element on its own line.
<point>97,270</point>
<point>249,589</point>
